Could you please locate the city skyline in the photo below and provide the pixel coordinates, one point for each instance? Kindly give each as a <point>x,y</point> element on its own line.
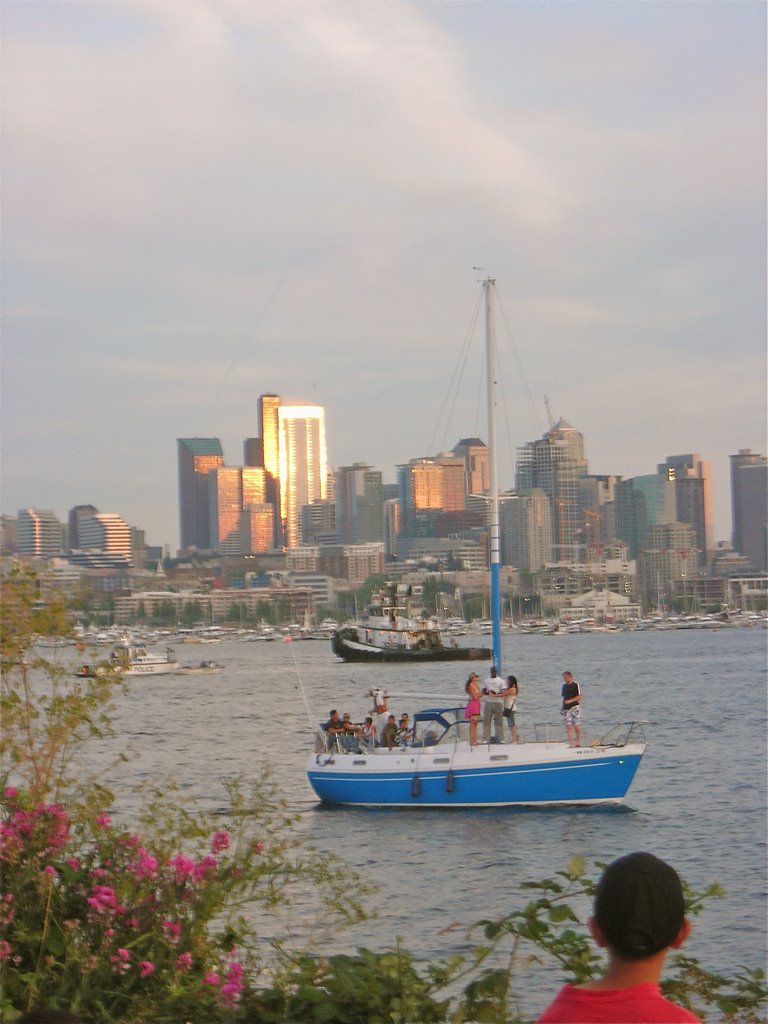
<point>204,201</point>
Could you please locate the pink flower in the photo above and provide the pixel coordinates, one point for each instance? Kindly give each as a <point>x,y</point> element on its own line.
<point>212,978</point>
<point>258,847</point>
<point>184,866</point>
<point>102,820</point>
<point>145,967</point>
<point>184,962</point>
<point>73,863</point>
<point>121,960</point>
<point>11,792</point>
<point>205,868</point>
<point>219,842</point>
<point>49,869</point>
<point>146,867</point>
<point>229,994</point>
<point>173,928</point>
<point>5,950</point>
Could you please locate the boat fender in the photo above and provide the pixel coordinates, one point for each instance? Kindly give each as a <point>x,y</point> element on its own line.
<point>450,781</point>
<point>415,786</point>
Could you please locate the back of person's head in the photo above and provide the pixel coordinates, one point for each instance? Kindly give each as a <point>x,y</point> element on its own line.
<point>512,681</point>
<point>639,905</point>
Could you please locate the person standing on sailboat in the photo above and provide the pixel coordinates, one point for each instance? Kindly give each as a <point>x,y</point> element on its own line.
<point>509,697</point>
<point>571,711</point>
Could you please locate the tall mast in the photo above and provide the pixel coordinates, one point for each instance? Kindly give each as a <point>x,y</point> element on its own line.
<point>490,357</point>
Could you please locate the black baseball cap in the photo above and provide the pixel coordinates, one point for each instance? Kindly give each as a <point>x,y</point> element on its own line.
<point>639,905</point>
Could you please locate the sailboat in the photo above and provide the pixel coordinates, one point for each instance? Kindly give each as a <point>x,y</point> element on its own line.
<point>438,766</point>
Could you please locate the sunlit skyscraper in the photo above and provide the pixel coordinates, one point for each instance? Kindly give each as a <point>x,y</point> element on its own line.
<point>197,456</point>
<point>303,463</point>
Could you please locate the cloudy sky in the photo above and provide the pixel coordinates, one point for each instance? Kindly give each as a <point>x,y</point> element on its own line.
<point>205,201</point>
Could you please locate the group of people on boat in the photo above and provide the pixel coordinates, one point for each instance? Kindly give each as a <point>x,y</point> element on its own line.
<point>494,702</point>
<point>359,737</point>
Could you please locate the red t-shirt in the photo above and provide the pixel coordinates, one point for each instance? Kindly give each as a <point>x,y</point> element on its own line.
<point>640,1004</point>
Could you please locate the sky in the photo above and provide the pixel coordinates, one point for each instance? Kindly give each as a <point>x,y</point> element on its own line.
<point>207,201</point>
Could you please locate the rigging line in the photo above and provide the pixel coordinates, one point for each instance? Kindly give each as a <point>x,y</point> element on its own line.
<point>458,373</point>
<point>518,360</point>
<point>312,722</point>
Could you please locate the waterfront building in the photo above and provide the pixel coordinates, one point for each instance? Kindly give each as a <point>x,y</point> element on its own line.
<point>692,478</point>
<point>554,464</point>
<point>749,507</point>
<point>39,533</point>
<point>197,456</point>
<point>668,557</point>
<point>359,504</point>
<point>303,464</point>
<point>353,562</point>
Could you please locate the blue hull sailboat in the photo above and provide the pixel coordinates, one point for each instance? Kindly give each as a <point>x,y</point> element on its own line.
<point>438,766</point>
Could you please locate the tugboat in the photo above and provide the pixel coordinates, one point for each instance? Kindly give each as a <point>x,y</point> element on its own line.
<point>389,632</point>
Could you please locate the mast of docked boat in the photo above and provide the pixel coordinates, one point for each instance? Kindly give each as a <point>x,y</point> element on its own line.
<point>495,546</point>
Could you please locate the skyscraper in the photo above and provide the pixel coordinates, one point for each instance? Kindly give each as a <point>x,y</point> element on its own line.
<point>39,533</point>
<point>303,463</point>
<point>749,507</point>
<point>692,478</point>
<point>76,515</point>
<point>359,504</point>
<point>477,471</point>
<point>554,465</point>
<point>196,457</point>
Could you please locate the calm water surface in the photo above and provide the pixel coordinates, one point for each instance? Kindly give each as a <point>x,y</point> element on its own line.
<point>698,800</point>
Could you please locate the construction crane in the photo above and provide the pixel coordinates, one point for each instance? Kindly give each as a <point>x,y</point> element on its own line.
<point>549,412</point>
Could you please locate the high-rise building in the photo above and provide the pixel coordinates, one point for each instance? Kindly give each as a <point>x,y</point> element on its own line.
<point>554,465</point>
<point>668,558</point>
<point>197,456</point>
<point>257,529</point>
<point>749,507</point>
<point>692,479</point>
<point>525,522</point>
<point>105,532</point>
<point>476,468</point>
<point>39,533</point>
<point>642,502</point>
<point>303,463</point>
<point>225,503</point>
<point>359,504</point>
<point>428,487</point>
<point>76,514</point>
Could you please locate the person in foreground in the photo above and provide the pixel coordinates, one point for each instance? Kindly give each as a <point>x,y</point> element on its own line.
<point>639,915</point>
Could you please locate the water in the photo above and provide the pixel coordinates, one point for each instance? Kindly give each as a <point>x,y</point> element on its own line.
<point>698,800</point>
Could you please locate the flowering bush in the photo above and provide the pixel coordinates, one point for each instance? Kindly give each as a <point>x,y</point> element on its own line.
<point>80,914</point>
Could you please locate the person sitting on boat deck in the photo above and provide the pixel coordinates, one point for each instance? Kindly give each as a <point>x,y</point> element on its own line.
<point>509,697</point>
<point>368,734</point>
<point>334,727</point>
<point>571,710</point>
<point>350,733</point>
<point>404,731</point>
<point>493,705</point>
<point>472,710</point>
<point>389,732</point>
<point>638,917</point>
